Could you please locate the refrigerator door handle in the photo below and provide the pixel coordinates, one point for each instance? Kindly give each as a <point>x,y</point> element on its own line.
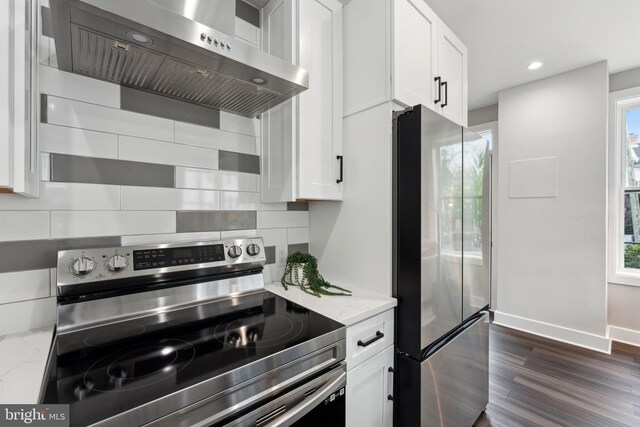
<point>379,336</point>
<point>390,384</point>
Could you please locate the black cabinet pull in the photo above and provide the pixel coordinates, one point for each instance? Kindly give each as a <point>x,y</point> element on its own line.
<point>341,160</point>
<point>370,341</point>
<point>446,94</point>
<point>437,80</point>
<point>389,386</point>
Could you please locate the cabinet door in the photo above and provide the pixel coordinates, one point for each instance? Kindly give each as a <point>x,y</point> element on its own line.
<point>452,68</point>
<point>6,102</point>
<point>320,106</point>
<point>279,124</point>
<point>414,53</point>
<point>18,111</point>
<point>368,389</point>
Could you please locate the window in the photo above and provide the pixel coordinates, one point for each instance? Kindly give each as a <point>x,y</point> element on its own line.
<point>624,187</point>
<point>631,190</point>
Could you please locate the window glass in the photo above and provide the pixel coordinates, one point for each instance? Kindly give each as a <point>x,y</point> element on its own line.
<point>632,149</point>
<point>631,226</point>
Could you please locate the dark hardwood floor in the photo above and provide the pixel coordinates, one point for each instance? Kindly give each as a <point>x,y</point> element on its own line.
<point>534,381</point>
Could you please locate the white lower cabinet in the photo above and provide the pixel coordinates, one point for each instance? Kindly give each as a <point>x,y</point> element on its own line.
<point>370,375</point>
<point>370,392</point>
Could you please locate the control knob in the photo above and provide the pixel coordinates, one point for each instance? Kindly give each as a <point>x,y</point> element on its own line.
<point>253,249</point>
<point>82,266</point>
<point>117,263</point>
<point>235,251</point>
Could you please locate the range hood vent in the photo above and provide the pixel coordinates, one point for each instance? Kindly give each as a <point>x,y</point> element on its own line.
<point>159,51</point>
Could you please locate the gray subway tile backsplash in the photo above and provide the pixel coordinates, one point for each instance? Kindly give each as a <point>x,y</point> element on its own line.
<point>90,170</point>
<point>248,13</point>
<point>300,247</point>
<point>38,254</point>
<point>238,162</point>
<point>297,206</point>
<point>194,221</point>
<point>270,254</point>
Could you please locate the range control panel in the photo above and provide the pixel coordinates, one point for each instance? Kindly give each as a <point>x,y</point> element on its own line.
<point>156,258</point>
<point>81,266</point>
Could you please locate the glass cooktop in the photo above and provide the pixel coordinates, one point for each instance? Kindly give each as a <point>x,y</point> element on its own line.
<point>102,372</point>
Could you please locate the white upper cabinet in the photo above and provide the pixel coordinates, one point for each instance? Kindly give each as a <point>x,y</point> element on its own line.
<point>302,138</point>
<point>452,70</point>
<point>18,97</point>
<point>399,50</point>
<point>414,52</point>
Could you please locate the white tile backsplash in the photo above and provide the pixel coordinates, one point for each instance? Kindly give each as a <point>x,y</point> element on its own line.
<point>244,201</point>
<point>68,224</point>
<point>247,32</point>
<point>206,179</point>
<point>45,167</point>
<point>66,196</point>
<point>238,124</point>
<point>24,285</point>
<point>24,225</point>
<point>169,199</point>
<point>207,137</point>
<point>67,112</point>
<point>276,219</point>
<point>77,142</point>
<point>298,235</point>
<point>149,239</point>
<point>81,88</point>
<point>150,151</point>
<point>274,236</point>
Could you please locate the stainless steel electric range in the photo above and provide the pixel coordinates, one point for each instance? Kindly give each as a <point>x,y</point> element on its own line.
<point>186,335</point>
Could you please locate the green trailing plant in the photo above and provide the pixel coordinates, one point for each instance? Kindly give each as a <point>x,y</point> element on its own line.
<point>311,281</point>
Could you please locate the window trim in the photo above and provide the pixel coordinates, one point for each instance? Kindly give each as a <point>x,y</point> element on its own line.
<point>619,103</point>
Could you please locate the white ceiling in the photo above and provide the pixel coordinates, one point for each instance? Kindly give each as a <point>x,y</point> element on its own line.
<point>504,36</point>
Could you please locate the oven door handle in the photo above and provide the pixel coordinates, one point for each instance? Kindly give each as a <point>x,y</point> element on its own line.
<point>306,406</point>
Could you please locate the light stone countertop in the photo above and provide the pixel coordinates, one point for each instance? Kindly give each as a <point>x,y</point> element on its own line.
<point>361,305</point>
<point>23,359</point>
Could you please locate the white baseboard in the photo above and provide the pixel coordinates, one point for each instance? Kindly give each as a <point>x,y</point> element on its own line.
<point>627,336</point>
<point>554,332</point>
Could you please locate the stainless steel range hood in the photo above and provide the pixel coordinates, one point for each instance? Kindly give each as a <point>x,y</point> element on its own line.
<point>183,49</point>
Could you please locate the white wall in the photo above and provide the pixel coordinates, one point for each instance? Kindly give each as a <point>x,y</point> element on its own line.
<point>552,253</point>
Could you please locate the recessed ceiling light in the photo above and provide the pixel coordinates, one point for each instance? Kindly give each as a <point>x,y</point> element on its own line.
<point>140,38</point>
<point>534,65</point>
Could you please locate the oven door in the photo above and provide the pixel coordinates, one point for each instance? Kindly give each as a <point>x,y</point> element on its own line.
<point>319,402</point>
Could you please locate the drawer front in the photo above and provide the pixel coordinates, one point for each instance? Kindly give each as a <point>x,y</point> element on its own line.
<point>368,338</point>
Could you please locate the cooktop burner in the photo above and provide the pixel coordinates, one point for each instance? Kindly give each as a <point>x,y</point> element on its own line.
<point>139,365</point>
<point>145,359</point>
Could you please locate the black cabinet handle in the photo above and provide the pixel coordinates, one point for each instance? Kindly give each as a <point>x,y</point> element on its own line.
<point>446,94</point>
<point>437,80</point>
<point>370,341</point>
<point>389,386</point>
<point>341,160</point>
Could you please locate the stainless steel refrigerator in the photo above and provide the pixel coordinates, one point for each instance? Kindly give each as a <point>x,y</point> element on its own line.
<point>442,270</point>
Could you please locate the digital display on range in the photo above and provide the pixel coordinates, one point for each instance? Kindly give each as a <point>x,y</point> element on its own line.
<point>172,257</point>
